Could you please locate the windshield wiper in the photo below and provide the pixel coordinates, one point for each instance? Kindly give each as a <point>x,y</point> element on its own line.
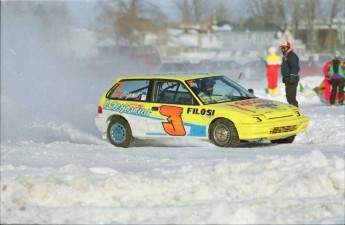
<point>237,98</point>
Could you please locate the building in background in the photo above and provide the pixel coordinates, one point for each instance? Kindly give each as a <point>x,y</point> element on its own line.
<point>200,41</point>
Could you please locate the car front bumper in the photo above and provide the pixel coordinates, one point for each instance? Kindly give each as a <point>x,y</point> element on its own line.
<point>272,129</point>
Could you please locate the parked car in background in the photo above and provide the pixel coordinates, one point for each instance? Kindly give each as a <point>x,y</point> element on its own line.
<point>255,69</point>
<point>148,61</point>
<point>175,66</point>
<point>310,68</point>
<point>173,106</point>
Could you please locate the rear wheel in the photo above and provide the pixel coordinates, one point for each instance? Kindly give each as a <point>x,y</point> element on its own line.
<point>224,134</point>
<point>119,132</point>
<point>284,140</point>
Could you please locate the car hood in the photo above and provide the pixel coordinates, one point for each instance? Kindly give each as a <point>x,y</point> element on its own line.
<point>268,108</point>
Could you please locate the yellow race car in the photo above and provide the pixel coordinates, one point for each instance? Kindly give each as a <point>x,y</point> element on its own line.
<point>204,106</point>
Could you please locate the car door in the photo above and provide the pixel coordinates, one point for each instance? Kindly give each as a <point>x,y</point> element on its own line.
<point>173,111</point>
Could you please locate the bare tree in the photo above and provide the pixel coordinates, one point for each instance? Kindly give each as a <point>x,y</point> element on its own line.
<point>123,19</point>
<point>281,13</point>
<point>310,12</point>
<point>336,7</point>
<point>51,16</point>
<point>255,8</point>
<point>54,19</point>
<point>193,10</point>
<point>223,10</point>
<point>183,8</point>
<point>296,14</point>
<point>267,12</point>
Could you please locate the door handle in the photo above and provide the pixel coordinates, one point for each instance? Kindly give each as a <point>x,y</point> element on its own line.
<point>154,108</point>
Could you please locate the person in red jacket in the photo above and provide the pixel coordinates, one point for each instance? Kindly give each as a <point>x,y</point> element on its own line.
<point>273,62</point>
<point>327,92</point>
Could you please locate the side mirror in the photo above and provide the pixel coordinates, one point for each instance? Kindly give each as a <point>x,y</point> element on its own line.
<point>251,90</point>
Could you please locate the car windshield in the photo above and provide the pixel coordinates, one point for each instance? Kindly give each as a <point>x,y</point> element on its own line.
<point>218,89</point>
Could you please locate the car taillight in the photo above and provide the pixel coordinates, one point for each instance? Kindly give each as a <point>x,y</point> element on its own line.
<point>100,110</point>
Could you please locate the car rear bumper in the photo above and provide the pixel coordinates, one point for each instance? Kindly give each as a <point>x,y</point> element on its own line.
<point>101,125</point>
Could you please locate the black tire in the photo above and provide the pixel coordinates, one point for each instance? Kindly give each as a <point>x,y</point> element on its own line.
<point>223,133</point>
<point>287,140</point>
<point>119,132</point>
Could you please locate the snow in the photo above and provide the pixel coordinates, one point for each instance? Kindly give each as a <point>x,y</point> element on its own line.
<point>56,169</point>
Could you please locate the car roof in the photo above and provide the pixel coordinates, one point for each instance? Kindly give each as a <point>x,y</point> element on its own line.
<point>173,76</point>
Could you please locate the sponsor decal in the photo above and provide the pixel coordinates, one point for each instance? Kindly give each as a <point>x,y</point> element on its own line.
<point>257,103</point>
<point>196,111</point>
<point>239,107</point>
<point>133,96</point>
<point>130,109</point>
<point>117,92</point>
<point>135,104</point>
<point>174,124</point>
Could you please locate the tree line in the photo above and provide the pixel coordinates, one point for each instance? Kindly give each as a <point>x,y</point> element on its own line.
<point>122,19</point>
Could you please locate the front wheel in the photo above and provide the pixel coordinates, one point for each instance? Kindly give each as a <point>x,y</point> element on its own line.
<point>119,133</point>
<point>224,133</point>
<point>287,140</point>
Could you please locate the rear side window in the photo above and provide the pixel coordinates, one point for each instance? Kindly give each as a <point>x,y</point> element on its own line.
<point>172,92</point>
<point>135,90</point>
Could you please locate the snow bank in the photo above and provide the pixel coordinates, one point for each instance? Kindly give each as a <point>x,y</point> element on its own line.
<point>267,189</point>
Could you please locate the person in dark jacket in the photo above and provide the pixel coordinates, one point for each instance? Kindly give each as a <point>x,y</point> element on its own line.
<point>336,77</point>
<point>289,70</point>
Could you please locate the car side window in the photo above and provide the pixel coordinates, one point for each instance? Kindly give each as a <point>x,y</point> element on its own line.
<point>172,92</point>
<point>135,90</point>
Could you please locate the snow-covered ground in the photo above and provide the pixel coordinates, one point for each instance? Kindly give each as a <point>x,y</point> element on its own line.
<point>56,169</point>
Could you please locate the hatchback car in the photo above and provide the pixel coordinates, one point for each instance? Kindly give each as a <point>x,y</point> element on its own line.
<point>203,106</point>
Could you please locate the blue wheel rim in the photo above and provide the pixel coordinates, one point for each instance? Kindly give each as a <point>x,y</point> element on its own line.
<point>118,133</point>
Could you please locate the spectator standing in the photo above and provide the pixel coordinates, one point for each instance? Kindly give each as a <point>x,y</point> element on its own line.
<point>336,78</point>
<point>289,70</point>
<point>273,62</point>
<point>327,91</point>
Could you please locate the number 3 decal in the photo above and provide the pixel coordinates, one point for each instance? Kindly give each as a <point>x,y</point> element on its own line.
<point>174,126</point>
